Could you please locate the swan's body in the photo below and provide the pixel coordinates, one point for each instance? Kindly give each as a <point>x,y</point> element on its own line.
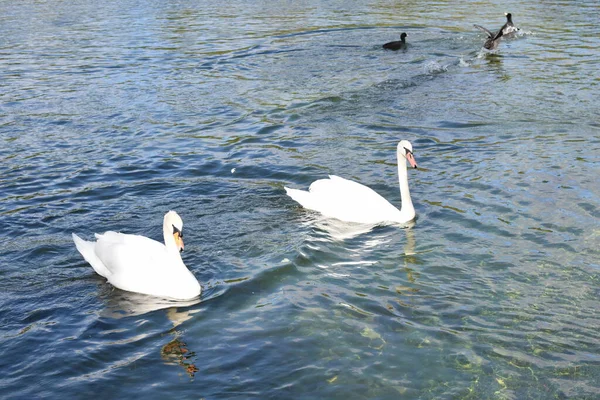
<point>353,202</point>
<point>138,264</point>
<point>397,45</point>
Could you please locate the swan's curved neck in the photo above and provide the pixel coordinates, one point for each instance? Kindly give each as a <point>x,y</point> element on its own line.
<point>407,210</point>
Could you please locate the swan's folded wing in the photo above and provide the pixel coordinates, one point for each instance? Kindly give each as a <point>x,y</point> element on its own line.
<point>138,241</point>
<point>348,200</point>
<point>344,190</point>
<point>88,250</point>
<point>128,254</point>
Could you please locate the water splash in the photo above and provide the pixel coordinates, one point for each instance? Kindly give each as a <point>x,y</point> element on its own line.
<point>434,67</point>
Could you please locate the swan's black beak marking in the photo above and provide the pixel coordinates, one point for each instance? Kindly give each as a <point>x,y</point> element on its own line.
<point>411,158</point>
<point>175,230</point>
<point>178,237</point>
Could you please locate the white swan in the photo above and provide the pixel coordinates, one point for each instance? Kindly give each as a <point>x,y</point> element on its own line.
<point>352,202</point>
<point>142,265</point>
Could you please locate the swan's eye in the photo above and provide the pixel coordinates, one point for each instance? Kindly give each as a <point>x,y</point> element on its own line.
<point>407,151</point>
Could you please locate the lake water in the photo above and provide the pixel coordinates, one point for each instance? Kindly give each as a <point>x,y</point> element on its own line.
<point>112,114</point>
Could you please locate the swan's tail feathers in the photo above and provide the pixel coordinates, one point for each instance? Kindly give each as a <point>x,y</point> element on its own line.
<point>301,196</point>
<point>88,251</point>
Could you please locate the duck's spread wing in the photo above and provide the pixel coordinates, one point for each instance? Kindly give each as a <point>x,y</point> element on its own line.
<point>490,34</point>
<point>498,35</point>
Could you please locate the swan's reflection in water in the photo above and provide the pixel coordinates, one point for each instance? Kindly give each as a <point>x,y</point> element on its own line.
<point>328,230</point>
<point>122,304</point>
<point>410,255</point>
<point>340,230</point>
<point>409,246</point>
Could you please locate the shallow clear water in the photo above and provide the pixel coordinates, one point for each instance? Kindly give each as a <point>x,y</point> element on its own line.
<point>111,115</point>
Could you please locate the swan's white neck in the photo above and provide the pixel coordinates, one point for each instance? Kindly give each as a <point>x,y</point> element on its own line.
<point>407,210</point>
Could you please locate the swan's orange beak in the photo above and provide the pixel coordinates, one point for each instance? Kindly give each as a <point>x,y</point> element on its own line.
<point>411,159</point>
<point>178,241</point>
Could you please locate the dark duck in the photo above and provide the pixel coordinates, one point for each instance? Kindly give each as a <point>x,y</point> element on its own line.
<point>397,45</point>
<point>493,39</point>
<point>509,29</point>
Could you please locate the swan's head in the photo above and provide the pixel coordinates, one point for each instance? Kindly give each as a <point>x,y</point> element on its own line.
<point>173,221</point>
<point>508,17</point>
<point>405,150</point>
<point>403,36</point>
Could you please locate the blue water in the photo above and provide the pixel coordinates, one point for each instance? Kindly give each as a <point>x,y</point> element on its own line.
<point>112,114</point>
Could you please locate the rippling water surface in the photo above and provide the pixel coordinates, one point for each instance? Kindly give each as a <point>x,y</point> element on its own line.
<point>111,115</point>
